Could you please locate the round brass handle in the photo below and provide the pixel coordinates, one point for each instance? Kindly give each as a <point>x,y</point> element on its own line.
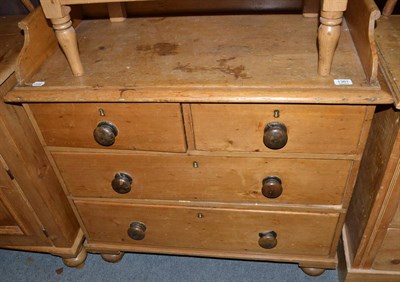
<point>272,187</point>
<point>105,133</point>
<point>268,239</point>
<point>137,230</point>
<point>275,135</point>
<point>122,183</point>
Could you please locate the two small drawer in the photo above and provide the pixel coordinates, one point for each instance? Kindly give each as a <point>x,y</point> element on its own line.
<point>215,127</point>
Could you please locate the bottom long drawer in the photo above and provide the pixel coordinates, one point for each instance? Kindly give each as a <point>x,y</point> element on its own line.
<point>208,228</point>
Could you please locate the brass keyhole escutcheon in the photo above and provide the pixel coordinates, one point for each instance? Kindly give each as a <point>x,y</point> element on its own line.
<point>275,135</point>
<point>272,187</point>
<point>268,239</point>
<point>122,183</point>
<point>105,133</point>
<point>137,230</point>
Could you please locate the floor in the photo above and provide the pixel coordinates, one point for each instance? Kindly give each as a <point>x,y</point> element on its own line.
<point>24,266</point>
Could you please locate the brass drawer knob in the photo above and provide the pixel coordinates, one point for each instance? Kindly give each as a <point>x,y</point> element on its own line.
<point>275,135</point>
<point>137,230</point>
<point>268,239</point>
<point>105,133</point>
<point>122,183</point>
<point>272,187</point>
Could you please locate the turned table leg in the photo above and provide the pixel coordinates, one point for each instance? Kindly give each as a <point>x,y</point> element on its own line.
<point>328,38</point>
<point>389,7</point>
<point>329,33</point>
<point>67,39</point>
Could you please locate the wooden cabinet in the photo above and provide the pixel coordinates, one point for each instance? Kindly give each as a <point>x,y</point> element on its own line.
<point>19,225</point>
<point>34,213</point>
<point>371,237</point>
<point>179,141</point>
<point>371,244</point>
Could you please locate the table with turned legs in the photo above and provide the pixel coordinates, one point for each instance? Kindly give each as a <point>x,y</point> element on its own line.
<point>58,11</point>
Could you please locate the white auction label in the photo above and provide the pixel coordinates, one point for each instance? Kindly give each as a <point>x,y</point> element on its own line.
<point>343,82</point>
<point>38,83</point>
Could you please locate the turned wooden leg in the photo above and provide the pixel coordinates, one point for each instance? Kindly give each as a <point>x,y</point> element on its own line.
<point>389,7</point>
<point>328,38</point>
<point>76,261</point>
<point>313,271</point>
<point>113,258</point>
<point>66,37</point>
<point>28,4</point>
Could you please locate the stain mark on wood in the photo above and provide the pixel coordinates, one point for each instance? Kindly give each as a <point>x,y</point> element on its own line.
<point>236,71</point>
<point>144,48</point>
<point>222,62</point>
<point>157,19</point>
<point>160,49</point>
<point>122,91</point>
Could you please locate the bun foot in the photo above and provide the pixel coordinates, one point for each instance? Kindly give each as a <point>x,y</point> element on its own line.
<point>77,261</point>
<point>113,258</point>
<point>313,271</point>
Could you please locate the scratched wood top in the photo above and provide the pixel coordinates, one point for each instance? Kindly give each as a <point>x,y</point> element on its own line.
<point>246,58</point>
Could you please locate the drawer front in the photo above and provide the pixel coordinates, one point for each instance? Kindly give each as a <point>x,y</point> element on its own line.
<point>208,228</point>
<point>309,128</point>
<point>153,127</point>
<point>388,257</point>
<point>224,179</point>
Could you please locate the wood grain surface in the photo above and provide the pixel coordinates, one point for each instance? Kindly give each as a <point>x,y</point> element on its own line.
<point>376,171</point>
<point>388,255</point>
<point>11,41</point>
<point>185,57</point>
<point>209,229</point>
<point>216,179</point>
<point>388,41</point>
<point>154,127</point>
<point>311,129</point>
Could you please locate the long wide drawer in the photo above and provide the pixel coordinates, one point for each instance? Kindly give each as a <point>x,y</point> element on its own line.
<point>148,127</point>
<point>208,228</point>
<point>309,128</point>
<point>205,178</point>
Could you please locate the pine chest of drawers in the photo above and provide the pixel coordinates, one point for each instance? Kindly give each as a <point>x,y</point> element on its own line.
<point>202,178</point>
<point>186,144</point>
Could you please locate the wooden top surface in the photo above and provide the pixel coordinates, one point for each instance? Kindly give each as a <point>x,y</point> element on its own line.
<point>11,41</point>
<point>246,58</point>
<point>388,41</point>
